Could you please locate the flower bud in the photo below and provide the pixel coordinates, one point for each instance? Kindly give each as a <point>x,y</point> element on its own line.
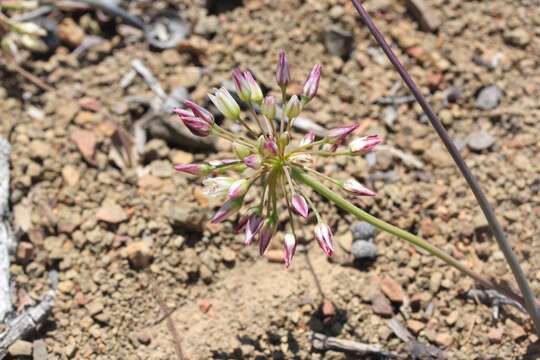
<point>341,132</point>
<point>253,161</point>
<point>308,139</point>
<point>283,74</point>
<point>238,189</point>
<point>293,107</point>
<point>365,144</point>
<point>242,86</point>
<point>31,29</point>
<point>241,151</point>
<point>225,103</point>
<point>196,125</point>
<point>269,148</point>
<point>354,187</point>
<point>284,139</point>
<point>253,226</point>
<point>199,111</point>
<point>267,232</point>
<point>193,169</point>
<point>256,92</point>
<point>289,248</point>
<point>324,237</point>
<point>312,83</point>
<point>268,107</point>
<point>300,205</point>
<point>229,208</point>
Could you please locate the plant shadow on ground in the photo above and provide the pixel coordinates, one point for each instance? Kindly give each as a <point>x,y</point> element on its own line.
<point>255,344</point>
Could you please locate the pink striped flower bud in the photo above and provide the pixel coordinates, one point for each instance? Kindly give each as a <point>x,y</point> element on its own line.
<point>300,205</point>
<point>199,111</point>
<point>269,148</point>
<point>193,169</point>
<point>308,139</point>
<point>195,125</point>
<point>324,237</point>
<point>253,161</point>
<point>354,187</point>
<point>266,233</point>
<point>229,208</point>
<point>312,83</point>
<point>238,189</point>
<point>268,107</point>
<point>242,86</point>
<point>283,74</point>
<point>341,132</point>
<point>365,144</point>
<point>293,107</point>
<point>289,248</point>
<point>225,103</point>
<point>256,92</point>
<point>253,226</point>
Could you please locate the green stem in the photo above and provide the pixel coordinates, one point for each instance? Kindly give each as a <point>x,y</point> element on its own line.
<point>402,234</point>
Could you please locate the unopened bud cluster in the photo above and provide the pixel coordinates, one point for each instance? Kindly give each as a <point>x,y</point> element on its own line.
<point>267,159</point>
<point>15,34</point>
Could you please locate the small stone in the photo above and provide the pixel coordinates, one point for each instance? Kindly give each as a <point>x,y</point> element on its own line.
<point>25,252</point>
<point>180,157</point>
<point>95,307</point>
<point>444,339</point>
<point>228,255</point>
<point>381,305</point>
<point>495,335</point>
<point>338,41</point>
<point>144,338</point>
<point>39,149</point>
<point>66,286</point>
<point>70,350</point>
<point>70,32</point>
<point>415,325</point>
<point>90,104</point>
<point>71,175</point>
<point>480,140</point>
<point>489,97</point>
<point>274,256</point>
<point>364,250</point>
<point>435,282</point>
<point>518,37</point>
<point>150,182</point>
<point>111,213</point>
<point>452,318</point>
<point>40,350</point>
<point>515,330</point>
<point>424,14</point>
<point>362,230</point>
<point>328,309</point>
<point>139,254</point>
<point>186,76</point>
<point>392,289</point>
<point>205,305</point>
<point>20,348</point>
<point>86,142</point>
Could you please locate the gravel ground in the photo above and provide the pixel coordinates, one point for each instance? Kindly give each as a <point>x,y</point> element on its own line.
<point>128,237</point>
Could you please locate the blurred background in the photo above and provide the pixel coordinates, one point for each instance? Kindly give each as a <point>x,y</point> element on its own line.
<point>100,216</point>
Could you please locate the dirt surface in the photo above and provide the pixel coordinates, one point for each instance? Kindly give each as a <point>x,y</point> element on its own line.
<point>124,234</point>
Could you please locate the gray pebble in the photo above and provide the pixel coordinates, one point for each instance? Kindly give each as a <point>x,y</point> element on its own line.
<point>362,230</point>
<point>364,249</point>
<point>480,140</point>
<point>489,97</point>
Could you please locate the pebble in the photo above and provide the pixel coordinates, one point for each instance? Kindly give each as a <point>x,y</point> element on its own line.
<point>424,14</point>
<point>495,335</point>
<point>518,37</point>
<point>381,305</point>
<point>71,175</point>
<point>139,254</point>
<point>205,305</point>
<point>363,249</point>
<point>95,307</point>
<point>20,348</point>
<point>228,255</point>
<point>480,140</point>
<point>435,282</point>
<point>111,213</point>
<point>40,350</point>
<point>86,143</point>
<point>362,230</point>
<point>415,325</point>
<point>338,41</point>
<point>392,289</point>
<point>489,97</point>
<point>70,32</point>
<point>70,350</point>
<point>444,339</point>
<point>144,338</point>
<point>345,241</point>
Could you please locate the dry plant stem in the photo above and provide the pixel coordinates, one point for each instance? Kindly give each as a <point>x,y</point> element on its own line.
<point>530,302</point>
<point>394,230</point>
